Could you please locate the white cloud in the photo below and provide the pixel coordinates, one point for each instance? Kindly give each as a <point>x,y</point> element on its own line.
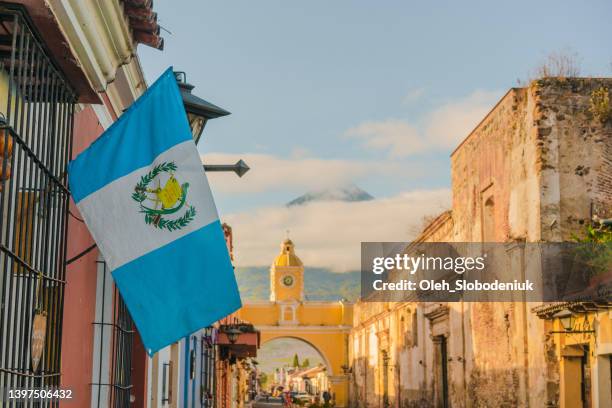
<point>448,125</point>
<point>269,173</point>
<point>328,234</point>
<point>440,129</point>
<point>396,136</point>
<point>413,95</point>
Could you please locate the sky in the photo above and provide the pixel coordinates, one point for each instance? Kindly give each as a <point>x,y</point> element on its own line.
<point>375,93</point>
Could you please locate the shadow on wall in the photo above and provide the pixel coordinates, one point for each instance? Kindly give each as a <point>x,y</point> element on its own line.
<point>416,356</point>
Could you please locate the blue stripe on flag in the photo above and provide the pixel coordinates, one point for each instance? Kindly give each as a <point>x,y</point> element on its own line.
<point>134,140</point>
<point>198,289</point>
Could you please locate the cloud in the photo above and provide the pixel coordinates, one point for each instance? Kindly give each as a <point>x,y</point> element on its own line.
<point>413,95</point>
<point>448,125</point>
<point>273,173</point>
<point>396,136</point>
<point>328,234</point>
<point>439,130</point>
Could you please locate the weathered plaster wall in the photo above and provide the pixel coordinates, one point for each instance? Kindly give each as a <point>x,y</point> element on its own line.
<point>575,155</point>
<point>535,169</point>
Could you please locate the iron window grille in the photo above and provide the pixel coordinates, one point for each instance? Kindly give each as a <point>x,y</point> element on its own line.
<point>36,106</point>
<point>113,344</point>
<point>208,358</point>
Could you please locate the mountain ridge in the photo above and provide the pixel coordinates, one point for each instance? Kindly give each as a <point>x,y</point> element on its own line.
<point>345,193</point>
<point>319,284</point>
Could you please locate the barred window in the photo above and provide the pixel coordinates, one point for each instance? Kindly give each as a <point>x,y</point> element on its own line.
<point>36,118</point>
<point>208,358</point>
<point>113,344</point>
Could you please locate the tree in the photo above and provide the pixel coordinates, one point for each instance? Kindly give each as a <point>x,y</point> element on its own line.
<point>306,363</point>
<point>263,380</point>
<point>296,361</point>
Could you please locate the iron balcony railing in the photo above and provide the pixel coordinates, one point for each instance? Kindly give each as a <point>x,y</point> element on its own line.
<point>36,121</point>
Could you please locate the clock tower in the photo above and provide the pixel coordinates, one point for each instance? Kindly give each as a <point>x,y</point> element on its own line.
<point>287,275</point>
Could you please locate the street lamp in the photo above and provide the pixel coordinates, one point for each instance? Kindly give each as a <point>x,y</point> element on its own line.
<point>232,334</point>
<point>346,369</point>
<point>566,318</point>
<point>199,112</point>
<point>568,322</point>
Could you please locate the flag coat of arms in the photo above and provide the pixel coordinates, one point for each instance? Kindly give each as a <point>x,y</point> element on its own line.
<point>143,193</point>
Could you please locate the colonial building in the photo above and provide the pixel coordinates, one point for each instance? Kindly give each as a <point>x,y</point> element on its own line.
<point>311,380</point>
<point>68,69</point>
<point>288,314</point>
<point>213,367</point>
<point>537,168</point>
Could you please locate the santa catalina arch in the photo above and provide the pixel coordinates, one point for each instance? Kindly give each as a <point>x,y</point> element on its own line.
<point>325,325</point>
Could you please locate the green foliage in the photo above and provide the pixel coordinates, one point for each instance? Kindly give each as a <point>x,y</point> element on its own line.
<point>296,361</point>
<point>599,235</point>
<point>596,249</point>
<point>306,363</point>
<point>263,380</point>
<point>171,225</point>
<point>600,104</point>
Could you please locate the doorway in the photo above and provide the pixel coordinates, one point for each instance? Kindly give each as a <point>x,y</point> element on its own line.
<point>585,378</point>
<point>441,372</point>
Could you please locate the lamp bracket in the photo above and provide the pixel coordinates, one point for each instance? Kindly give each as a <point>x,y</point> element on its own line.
<point>240,167</point>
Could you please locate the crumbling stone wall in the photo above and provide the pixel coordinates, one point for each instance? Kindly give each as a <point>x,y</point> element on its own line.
<point>575,154</point>
<point>541,161</point>
<point>543,158</point>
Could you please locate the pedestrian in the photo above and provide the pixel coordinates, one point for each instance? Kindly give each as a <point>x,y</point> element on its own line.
<point>326,398</point>
<point>287,400</point>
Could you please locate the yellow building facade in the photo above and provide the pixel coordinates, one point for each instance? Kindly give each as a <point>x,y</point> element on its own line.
<point>325,325</point>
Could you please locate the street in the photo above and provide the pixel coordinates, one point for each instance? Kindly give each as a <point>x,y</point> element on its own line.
<point>271,402</point>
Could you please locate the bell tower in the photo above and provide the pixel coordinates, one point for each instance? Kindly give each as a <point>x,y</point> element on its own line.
<point>287,275</point>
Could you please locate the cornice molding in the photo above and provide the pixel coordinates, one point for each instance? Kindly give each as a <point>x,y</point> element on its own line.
<point>99,36</point>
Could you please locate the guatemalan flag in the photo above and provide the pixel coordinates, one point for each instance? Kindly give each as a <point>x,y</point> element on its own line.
<point>142,191</point>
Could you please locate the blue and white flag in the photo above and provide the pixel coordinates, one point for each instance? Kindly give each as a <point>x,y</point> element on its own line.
<point>142,191</point>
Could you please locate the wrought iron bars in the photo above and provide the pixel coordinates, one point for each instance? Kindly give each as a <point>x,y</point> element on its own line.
<point>114,337</point>
<point>208,358</point>
<point>37,107</point>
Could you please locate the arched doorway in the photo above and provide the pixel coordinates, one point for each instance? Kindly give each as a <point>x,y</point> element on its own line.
<point>324,325</point>
<point>291,363</point>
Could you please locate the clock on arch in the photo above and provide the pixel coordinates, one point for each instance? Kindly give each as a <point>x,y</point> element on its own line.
<point>287,280</point>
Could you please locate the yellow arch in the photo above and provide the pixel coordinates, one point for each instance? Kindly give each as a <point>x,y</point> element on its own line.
<point>323,325</point>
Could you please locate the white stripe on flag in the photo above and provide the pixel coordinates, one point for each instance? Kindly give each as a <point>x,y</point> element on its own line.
<point>115,220</point>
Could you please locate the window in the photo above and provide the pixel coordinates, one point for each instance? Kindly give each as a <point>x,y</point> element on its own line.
<point>288,314</point>
<point>113,344</point>
<point>36,113</point>
<point>488,220</point>
<point>207,365</point>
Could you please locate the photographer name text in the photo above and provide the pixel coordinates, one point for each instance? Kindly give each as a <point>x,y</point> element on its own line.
<point>453,286</point>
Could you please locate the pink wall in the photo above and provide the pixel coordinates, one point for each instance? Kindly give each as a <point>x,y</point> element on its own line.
<point>80,294</point>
